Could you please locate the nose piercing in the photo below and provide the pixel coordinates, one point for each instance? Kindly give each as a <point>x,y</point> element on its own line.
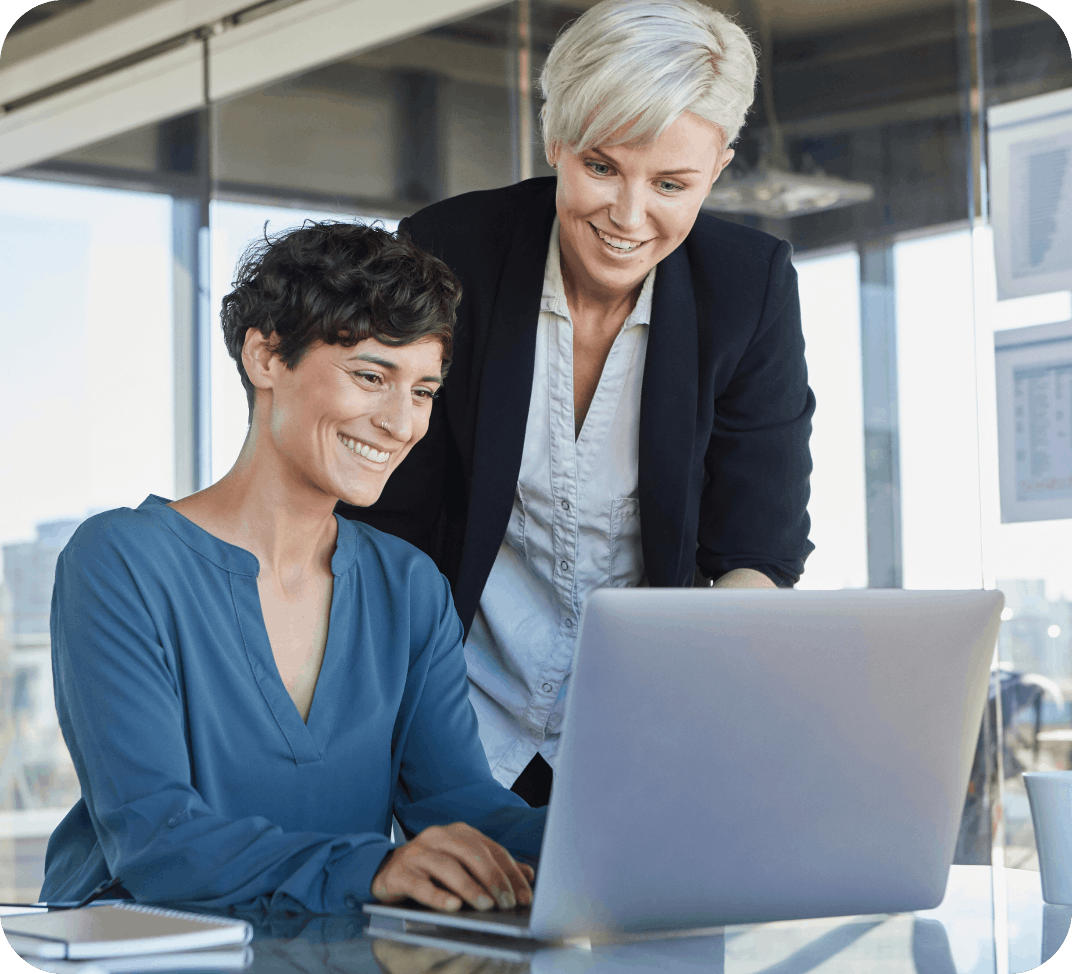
<point>383,425</point>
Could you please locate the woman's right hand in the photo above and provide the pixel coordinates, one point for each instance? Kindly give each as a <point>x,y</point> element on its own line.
<point>447,865</point>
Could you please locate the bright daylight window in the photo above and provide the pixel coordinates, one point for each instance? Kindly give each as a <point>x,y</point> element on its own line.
<point>953,537</point>
<point>830,313</point>
<point>86,386</point>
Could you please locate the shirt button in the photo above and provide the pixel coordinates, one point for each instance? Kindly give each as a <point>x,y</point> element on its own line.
<point>173,821</point>
<point>547,688</point>
<point>350,901</point>
<point>565,566</point>
<point>569,623</point>
<point>565,505</point>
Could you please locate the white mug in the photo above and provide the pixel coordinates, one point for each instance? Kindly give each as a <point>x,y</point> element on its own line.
<point>1050,795</point>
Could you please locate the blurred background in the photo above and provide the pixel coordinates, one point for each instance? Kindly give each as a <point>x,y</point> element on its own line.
<point>146,143</point>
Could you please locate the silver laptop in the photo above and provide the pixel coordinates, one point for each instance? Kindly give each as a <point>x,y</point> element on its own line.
<point>742,756</point>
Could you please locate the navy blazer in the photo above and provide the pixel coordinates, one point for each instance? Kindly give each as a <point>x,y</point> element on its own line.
<point>725,408</point>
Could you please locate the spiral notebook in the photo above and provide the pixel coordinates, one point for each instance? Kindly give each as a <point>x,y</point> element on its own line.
<point>119,929</point>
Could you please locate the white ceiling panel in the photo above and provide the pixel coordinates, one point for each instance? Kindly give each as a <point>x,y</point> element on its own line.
<point>113,42</point>
<point>300,37</point>
<point>150,91</point>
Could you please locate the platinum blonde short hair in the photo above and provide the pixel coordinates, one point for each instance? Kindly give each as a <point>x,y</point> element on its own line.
<point>645,62</point>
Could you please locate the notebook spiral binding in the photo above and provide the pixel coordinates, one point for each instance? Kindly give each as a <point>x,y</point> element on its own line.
<point>179,914</point>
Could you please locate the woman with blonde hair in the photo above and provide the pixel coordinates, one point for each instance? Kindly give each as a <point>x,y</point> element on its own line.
<point>628,403</point>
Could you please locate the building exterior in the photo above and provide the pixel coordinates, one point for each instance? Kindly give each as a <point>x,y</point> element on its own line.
<point>35,770</point>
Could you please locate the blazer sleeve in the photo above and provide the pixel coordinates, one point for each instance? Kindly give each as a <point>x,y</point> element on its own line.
<point>753,510</point>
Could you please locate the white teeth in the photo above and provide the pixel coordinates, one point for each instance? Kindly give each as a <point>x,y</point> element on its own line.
<point>363,449</point>
<point>616,242</point>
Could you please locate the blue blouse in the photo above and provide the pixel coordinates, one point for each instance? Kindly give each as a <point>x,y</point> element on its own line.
<point>200,781</point>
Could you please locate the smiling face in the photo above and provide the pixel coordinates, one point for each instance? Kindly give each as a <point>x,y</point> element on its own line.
<point>623,208</point>
<point>343,419</point>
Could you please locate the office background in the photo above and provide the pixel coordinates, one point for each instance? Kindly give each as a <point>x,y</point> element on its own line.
<point>145,143</point>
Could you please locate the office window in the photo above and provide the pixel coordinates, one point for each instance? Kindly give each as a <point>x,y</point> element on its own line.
<point>953,536</point>
<point>86,392</point>
<point>1028,562</point>
<point>936,349</point>
<point>830,313</point>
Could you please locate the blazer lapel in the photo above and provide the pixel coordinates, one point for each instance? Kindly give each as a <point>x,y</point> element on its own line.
<point>668,402</point>
<point>503,400</point>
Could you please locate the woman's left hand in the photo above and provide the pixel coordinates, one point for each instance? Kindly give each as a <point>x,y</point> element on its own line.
<point>447,865</point>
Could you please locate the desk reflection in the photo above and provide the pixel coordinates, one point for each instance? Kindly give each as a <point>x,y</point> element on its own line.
<point>889,944</point>
<point>956,938</point>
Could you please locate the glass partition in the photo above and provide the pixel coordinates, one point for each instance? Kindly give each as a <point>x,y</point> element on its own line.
<point>1023,53</point>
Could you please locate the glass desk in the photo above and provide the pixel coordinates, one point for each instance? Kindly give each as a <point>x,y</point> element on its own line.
<point>958,937</point>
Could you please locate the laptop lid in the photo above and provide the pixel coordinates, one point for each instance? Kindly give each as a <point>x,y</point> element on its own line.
<point>739,756</point>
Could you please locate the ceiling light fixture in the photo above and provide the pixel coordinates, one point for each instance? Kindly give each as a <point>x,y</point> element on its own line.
<point>772,188</point>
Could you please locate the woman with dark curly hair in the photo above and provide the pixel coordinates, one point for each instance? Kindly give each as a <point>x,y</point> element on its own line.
<point>249,685</point>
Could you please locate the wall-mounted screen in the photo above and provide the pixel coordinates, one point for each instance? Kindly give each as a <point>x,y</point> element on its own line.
<point>1034,396</point>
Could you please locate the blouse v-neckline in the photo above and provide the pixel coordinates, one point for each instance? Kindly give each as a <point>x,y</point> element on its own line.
<point>307,739</point>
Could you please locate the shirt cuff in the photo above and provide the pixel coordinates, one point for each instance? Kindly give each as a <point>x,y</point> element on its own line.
<point>350,880</point>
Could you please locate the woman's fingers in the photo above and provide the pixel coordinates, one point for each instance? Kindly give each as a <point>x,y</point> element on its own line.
<point>479,894</point>
<point>423,890</point>
<point>470,866</point>
<point>415,874</point>
<point>489,863</point>
<point>515,875</point>
<point>431,877</point>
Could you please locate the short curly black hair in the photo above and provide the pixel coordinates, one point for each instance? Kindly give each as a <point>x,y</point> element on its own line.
<point>338,283</point>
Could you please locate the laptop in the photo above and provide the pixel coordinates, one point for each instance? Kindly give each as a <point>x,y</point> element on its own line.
<point>744,756</point>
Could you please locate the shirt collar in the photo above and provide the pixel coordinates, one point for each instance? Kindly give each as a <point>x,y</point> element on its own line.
<point>237,560</point>
<point>553,298</point>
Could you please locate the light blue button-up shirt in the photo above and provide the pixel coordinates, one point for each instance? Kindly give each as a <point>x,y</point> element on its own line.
<point>575,527</point>
<point>200,780</point>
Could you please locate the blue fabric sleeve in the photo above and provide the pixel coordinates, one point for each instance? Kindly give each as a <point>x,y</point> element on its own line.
<point>444,771</point>
<point>122,716</point>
